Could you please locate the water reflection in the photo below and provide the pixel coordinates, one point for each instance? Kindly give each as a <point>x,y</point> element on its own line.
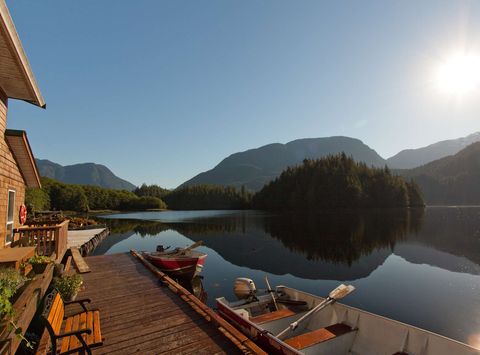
<point>343,238</point>
<point>331,245</point>
<point>195,287</point>
<point>323,245</point>
<point>429,258</point>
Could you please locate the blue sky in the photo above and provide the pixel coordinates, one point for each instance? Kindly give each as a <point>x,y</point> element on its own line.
<point>162,90</point>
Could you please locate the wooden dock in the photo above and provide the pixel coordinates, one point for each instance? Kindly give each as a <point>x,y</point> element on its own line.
<point>86,240</point>
<point>140,315</point>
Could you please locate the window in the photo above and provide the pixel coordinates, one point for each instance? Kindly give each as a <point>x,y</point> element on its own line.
<point>10,209</point>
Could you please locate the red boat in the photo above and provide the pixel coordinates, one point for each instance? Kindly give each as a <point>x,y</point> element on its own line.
<point>180,262</point>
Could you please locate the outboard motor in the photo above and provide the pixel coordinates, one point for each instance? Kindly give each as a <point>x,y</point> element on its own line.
<point>244,289</point>
<point>160,248</point>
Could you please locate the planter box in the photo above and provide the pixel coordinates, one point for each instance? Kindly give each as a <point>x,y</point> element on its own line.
<point>25,308</point>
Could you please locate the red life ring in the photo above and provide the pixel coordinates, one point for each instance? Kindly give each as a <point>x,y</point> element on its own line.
<point>23,214</point>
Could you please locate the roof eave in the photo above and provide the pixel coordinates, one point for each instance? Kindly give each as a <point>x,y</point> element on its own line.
<point>9,27</point>
<point>29,153</point>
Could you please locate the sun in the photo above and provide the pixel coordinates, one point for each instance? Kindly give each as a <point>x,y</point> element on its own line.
<point>459,74</point>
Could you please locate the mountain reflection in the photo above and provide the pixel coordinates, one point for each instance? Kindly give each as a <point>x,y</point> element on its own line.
<point>337,245</point>
<point>343,237</point>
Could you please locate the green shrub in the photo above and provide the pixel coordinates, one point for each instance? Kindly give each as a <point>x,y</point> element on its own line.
<point>40,259</point>
<point>68,285</point>
<point>10,282</point>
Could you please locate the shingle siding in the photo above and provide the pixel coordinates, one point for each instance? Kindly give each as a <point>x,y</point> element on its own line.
<point>10,176</point>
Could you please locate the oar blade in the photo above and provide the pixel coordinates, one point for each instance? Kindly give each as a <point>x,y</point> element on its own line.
<point>341,291</point>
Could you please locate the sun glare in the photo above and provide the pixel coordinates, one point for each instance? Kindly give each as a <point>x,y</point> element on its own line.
<point>459,74</point>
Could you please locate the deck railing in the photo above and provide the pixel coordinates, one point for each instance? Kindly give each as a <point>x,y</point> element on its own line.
<point>48,239</point>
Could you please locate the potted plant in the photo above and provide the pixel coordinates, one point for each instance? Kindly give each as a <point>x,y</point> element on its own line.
<point>39,263</point>
<point>68,286</point>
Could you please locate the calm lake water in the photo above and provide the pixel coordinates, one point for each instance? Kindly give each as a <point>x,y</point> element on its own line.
<point>421,267</point>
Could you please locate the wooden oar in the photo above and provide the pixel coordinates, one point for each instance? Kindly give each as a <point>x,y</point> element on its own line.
<point>193,246</point>
<point>340,292</point>
<point>271,293</point>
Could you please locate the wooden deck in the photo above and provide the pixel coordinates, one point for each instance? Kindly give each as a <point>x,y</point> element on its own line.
<point>139,315</point>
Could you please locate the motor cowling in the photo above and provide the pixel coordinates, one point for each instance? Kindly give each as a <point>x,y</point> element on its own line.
<point>244,288</point>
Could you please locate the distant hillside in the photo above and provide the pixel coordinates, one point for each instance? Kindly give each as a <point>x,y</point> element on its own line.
<point>255,167</point>
<point>411,158</point>
<point>85,174</point>
<point>451,180</point>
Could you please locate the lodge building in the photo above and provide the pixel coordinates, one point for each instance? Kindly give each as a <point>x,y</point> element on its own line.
<point>17,164</point>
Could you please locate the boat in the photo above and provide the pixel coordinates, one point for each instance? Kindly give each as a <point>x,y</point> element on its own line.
<point>289,321</point>
<point>182,263</point>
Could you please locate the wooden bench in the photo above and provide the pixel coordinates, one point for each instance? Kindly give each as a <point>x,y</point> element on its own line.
<point>317,336</point>
<point>269,317</point>
<point>81,331</point>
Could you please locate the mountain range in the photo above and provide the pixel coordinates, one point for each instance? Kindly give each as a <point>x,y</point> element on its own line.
<point>447,171</point>
<point>84,174</point>
<point>255,167</point>
<point>450,180</point>
<point>412,158</point>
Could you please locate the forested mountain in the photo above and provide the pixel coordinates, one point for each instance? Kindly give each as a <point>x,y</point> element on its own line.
<point>83,174</point>
<point>411,158</point>
<point>451,180</point>
<point>255,167</point>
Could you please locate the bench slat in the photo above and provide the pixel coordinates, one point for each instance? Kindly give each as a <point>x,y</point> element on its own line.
<point>54,309</point>
<point>58,318</point>
<point>91,336</point>
<point>83,324</point>
<point>66,340</point>
<point>74,344</point>
<point>96,326</point>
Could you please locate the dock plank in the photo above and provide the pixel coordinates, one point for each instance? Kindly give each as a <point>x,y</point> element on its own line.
<point>139,315</point>
<point>80,263</point>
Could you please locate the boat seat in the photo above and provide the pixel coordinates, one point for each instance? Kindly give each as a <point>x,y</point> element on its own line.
<point>275,315</point>
<point>306,340</point>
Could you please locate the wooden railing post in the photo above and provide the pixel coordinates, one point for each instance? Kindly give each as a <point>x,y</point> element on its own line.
<point>61,235</point>
<point>47,239</point>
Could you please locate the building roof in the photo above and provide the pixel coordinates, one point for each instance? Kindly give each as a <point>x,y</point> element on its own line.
<point>16,76</point>
<point>18,143</point>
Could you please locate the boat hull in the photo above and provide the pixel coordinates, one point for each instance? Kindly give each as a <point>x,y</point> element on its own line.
<point>182,266</point>
<point>370,333</point>
<point>263,339</point>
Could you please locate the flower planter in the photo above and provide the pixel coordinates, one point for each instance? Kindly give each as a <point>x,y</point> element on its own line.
<point>39,268</point>
<point>25,307</point>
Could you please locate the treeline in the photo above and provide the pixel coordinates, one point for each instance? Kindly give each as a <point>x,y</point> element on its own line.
<point>337,182</point>
<point>55,195</point>
<point>151,191</point>
<point>207,197</point>
<point>330,182</point>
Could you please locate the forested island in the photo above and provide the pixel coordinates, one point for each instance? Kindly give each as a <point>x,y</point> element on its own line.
<point>335,181</point>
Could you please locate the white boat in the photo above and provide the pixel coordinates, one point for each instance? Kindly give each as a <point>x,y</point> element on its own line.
<point>326,327</point>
